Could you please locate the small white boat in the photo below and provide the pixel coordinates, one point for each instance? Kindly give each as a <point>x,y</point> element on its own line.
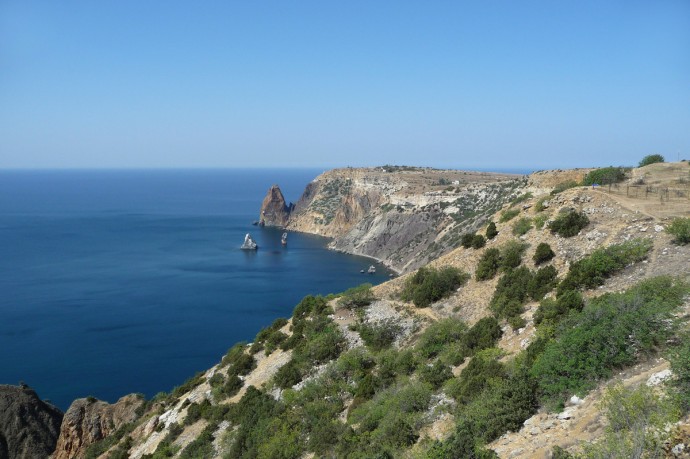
<point>249,243</point>
<point>283,239</point>
<point>372,269</point>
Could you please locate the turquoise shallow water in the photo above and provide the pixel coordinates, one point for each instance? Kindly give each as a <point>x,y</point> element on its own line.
<point>113,282</point>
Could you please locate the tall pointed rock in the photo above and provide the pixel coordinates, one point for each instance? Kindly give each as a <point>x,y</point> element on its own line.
<point>274,210</point>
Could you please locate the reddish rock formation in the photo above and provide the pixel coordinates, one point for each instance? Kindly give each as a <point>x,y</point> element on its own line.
<point>274,210</point>
<point>88,421</point>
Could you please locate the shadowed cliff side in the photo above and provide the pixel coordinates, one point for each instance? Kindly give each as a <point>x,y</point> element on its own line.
<point>274,210</point>
<point>29,427</point>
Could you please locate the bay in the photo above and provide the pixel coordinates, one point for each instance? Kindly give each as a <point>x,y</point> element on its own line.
<point>122,281</point>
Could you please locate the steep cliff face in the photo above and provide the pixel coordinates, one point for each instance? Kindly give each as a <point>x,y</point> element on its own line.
<point>402,217</point>
<point>274,210</point>
<point>29,427</point>
<point>88,421</point>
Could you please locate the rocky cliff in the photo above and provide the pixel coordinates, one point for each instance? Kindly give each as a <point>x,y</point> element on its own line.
<point>88,420</point>
<point>402,216</point>
<point>274,210</point>
<point>29,427</point>
<point>378,374</point>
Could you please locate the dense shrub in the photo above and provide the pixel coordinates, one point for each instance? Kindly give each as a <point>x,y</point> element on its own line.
<point>615,330</point>
<point>429,285</point>
<point>435,374</point>
<point>542,282</point>
<point>508,215</point>
<point>511,254</point>
<point>592,271</point>
<point>488,264</point>
<point>569,223</point>
<point>380,335</point>
<point>517,322</point>
<point>651,159</point>
<point>482,335</point>
<point>466,240</point>
<point>522,226</point>
<point>357,297</point>
<point>478,241</point>
<point>439,335</point>
<point>491,231</point>
<point>679,228</point>
<point>483,369</point>
<point>555,309</point>
<point>505,407</point>
<point>288,375</point>
<point>511,293</point>
<point>604,176</point>
<point>543,253</point>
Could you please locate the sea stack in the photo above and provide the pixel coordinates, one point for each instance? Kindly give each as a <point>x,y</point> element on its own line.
<point>274,210</point>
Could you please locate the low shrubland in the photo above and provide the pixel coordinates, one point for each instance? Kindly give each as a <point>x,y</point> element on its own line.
<point>568,223</point>
<point>428,285</point>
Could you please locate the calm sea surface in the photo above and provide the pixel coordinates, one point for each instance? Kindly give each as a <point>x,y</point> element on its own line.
<point>113,282</point>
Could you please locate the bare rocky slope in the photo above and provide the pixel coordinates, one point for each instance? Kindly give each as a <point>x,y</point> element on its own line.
<point>200,418</point>
<point>29,427</point>
<point>401,216</point>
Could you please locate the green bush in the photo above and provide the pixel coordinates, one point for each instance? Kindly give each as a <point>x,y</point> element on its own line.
<point>553,310</point>
<point>483,370</point>
<point>511,293</point>
<point>540,220</point>
<point>466,240</point>
<point>380,335</point>
<point>542,282</point>
<point>503,408</point>
<point>288,375</point>
<point>651,159</point>
<point>680,364</point>
<point>488,264</point>
<point>679,228</point>
<point>435,374</point>
<point>428,285</point>
<point>540,206</point>
<point>569,223</point>
<point>522,226</point>
<point>508,215</point>
<point>482,335</point>
<point>615,329</point>
<point>543,253</point>
<point>562,186</point>
<point>439,335</point>
<point>517,322</point>
<point>478,241</point>
<point>357,297</point>
<point>491,231</point>
<point>592,271</point>
<point>604,176</point>
<point>637,419</point>
<point>511,254</point>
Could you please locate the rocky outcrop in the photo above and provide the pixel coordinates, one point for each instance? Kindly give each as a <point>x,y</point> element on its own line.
<point>274,210</point>
<point>88,420</point>
<point>403,217</point>
<point>29,427</point>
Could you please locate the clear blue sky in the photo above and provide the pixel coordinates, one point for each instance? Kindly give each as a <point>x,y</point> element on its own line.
<point>481,84</point>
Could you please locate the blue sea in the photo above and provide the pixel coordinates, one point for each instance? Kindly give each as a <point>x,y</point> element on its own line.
<point>121,281</point>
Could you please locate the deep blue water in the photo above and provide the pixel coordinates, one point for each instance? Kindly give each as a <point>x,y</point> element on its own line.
<point>113,282</point>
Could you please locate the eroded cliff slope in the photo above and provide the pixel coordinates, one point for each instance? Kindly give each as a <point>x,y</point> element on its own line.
<point>402,216</point>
